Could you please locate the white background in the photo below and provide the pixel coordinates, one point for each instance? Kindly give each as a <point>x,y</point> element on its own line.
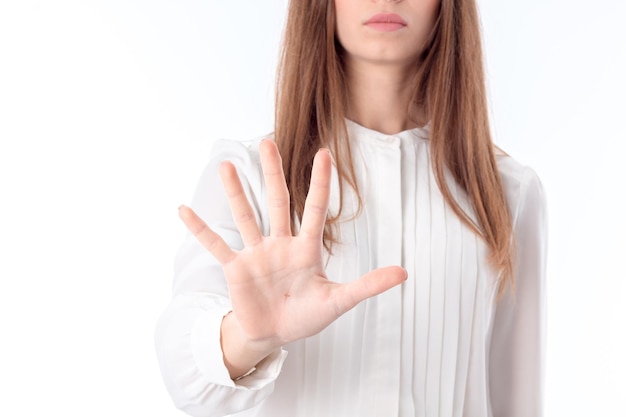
<point>108,110</point>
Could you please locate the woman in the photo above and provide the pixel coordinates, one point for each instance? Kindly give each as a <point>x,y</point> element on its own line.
<point>446,232</point>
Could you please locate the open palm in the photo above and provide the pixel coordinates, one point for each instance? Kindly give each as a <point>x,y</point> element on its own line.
<point>277,285</point>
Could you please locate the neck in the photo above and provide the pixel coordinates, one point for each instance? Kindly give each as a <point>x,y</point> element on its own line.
<point>379,96</point>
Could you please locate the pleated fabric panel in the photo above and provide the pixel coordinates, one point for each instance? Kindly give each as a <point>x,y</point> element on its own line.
<point>420,348</point>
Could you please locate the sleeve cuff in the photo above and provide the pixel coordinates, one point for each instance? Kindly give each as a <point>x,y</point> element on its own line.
<point>266,371</point>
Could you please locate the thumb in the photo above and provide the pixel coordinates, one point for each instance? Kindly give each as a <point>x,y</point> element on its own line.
<point>373,283</point>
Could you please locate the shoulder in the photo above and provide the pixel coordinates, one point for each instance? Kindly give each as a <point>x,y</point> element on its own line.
<point>244,155</point>
<point>236,151</point>
<point>210,200</point>
<point>522,186</point>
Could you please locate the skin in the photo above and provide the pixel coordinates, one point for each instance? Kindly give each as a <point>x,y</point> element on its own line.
<point>277,284</point>
<point>381,66</point>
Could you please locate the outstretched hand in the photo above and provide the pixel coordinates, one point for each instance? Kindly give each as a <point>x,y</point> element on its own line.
<point>277,285</point>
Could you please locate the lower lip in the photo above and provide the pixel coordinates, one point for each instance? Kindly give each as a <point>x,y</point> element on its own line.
<point>385,27</point>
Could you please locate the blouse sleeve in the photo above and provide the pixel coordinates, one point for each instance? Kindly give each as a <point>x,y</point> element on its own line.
<point>187,336</point>
<point>518,340</point>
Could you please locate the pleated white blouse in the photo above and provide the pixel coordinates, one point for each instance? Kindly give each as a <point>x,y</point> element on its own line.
<point>439,345</point>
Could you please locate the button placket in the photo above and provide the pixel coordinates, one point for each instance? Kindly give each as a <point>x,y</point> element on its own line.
<point>389,248</point>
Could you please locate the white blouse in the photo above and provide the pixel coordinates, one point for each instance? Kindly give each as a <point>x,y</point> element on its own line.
<point>439,345</point>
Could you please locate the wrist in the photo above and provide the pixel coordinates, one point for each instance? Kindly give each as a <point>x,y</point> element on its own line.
<point>240,354</point>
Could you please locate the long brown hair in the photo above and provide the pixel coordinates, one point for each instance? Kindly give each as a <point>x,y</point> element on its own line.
<point>311,109</point>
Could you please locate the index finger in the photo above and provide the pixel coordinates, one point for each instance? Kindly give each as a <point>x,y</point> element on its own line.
<point>316,204</point>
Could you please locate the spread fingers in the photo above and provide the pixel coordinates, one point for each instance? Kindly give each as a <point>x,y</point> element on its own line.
<point>242,212</point>
<point>316,205</point>
<point>277,193</point>
<point>207,237</point>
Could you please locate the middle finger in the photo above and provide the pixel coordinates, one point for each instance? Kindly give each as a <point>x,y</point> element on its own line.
<point>277,192</point>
